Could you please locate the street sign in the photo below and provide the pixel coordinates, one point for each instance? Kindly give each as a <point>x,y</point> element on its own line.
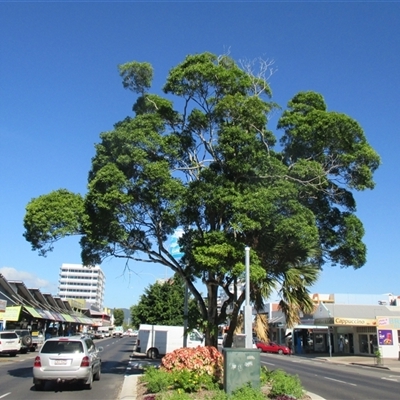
<point>174,248</point>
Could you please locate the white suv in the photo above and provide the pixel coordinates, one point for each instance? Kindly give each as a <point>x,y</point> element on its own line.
<point>67,359</point>
<point>10,343</point>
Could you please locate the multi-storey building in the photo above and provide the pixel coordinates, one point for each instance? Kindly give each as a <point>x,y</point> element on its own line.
<point>79,282</point>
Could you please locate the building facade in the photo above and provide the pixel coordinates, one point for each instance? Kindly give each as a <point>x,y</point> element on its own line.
<point>79,282</point>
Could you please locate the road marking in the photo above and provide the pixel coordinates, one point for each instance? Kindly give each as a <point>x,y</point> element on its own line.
<point>337,380</point>
<point>390,379</point>
<point>264,362</point>
<point>5,394</point>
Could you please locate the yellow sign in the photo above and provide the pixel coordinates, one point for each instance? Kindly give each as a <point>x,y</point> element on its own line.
<point>345,321</point>
<point>355,321</point>
<point>11,313</point>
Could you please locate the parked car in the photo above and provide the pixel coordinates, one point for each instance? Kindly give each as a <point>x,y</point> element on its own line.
<point>10,343</point>
<point>67,359</point>
<point>272,347</point>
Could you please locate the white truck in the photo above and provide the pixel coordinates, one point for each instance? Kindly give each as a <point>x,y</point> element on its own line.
<point>118,331</point>
<point>158,340</point>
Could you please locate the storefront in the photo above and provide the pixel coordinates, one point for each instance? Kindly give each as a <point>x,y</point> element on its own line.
<point>389,336</point>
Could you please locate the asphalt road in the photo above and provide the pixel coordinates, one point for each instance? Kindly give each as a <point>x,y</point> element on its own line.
<point>16,380</point>
<point>338,381</point>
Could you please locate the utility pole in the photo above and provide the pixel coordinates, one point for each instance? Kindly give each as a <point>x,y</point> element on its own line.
<point>248,329</point>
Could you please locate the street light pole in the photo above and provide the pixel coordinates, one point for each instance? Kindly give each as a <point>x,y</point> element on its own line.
<point>247,308</point>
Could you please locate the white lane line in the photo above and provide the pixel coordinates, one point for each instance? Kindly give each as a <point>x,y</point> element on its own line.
<point>337,380</point>
<point>390,379</point>
<point>264,362</point>
<point>5,394</point>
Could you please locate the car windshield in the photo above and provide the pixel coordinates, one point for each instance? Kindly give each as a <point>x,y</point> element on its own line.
<point>57,347</point>
<point>22,333</point>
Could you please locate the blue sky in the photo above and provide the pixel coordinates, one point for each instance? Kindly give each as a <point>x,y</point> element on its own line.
<point>60,88</point>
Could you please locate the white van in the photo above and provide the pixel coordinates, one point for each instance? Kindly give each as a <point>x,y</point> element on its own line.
<point>158,340</point>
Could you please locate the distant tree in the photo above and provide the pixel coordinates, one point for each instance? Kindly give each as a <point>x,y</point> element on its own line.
<point>118,316</point>
<point>163,304</point>
<point>211,167</point>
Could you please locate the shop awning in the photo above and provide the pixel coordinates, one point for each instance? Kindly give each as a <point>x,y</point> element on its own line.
<point>68,318</point>
<point>11,313</point>
<point>32,312</point>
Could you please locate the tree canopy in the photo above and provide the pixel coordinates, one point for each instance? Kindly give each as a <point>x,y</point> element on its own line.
<point>118,316</point>
<point>163,304</point>
<point>212,167</point>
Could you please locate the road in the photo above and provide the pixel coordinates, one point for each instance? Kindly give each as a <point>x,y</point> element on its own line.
<point>338,381</point>
<point>329,380</point>
<point>16,375</point>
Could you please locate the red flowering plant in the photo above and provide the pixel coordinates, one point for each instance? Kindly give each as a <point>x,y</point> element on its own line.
<point>202,360</point>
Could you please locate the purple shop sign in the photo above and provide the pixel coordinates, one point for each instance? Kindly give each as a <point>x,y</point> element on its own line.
<point>385,337</point>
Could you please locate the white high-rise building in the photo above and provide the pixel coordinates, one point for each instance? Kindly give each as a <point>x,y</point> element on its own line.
<point>79,282</point>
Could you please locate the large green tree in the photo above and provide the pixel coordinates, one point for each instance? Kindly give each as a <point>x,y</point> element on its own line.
<point>211,166</point>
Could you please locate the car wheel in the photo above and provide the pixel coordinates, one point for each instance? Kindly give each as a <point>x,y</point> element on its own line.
<point>89,384</point>
<point>13,354</point>
<point>152,353</point>
<point>280,351</point>
<point>23,351</point>
<point>97,375</point>
<point>39,386</point>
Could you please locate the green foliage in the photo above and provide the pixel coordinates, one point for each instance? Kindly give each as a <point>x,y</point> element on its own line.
<point>211,167</point>
<point>157,380</point>
<point>136,76</point>
<point>118,316</point>
<point>163,303</point>
<point>283,383</point>
<point>51,217</point>
<point>247,392</point>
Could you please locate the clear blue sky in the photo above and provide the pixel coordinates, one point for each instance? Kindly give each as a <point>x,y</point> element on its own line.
<point>60,88</point>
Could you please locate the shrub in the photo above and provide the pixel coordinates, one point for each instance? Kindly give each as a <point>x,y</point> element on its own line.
<point>246,393</point>
<point>203,360</point>
<point>157,380</point>
<point>190,381</point>
<point>283,383</point>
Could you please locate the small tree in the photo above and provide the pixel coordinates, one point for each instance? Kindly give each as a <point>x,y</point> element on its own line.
<point>118,317</point>
<point>163,304</point>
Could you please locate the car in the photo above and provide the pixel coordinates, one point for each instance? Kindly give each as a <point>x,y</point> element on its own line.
<point>272,347</point>
<point>67,359</point>
<point>98,335</point>
<point>10,343</point>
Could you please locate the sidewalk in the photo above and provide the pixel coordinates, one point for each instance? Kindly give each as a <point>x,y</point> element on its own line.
<point>128,391</point>
<point>366,361</point>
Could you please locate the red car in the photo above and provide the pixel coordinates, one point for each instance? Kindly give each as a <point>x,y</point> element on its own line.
<point>272,347</point>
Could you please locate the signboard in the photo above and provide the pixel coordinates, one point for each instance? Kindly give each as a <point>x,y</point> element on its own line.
<point>3,305</point>
<point>385,337</point>
<point>11,313</point>
<point>174,248</point>
<point>346,321</point>
<point>388,322</point>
